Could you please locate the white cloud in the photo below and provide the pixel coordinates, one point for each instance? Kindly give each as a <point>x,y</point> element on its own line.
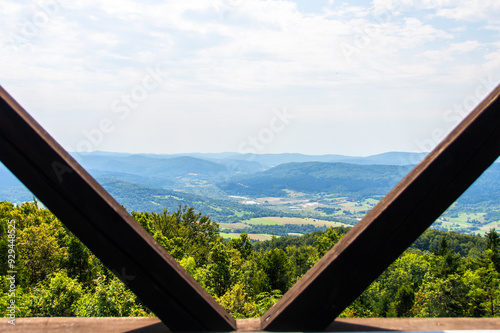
<point>451,50</point>
<point>244,58</point>
<point>472,10</point>
<point>469,10</point>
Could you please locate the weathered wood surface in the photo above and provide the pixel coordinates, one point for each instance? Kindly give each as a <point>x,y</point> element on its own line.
<point>393,225</point>
<point>154,325</point>
<point>103,225</point>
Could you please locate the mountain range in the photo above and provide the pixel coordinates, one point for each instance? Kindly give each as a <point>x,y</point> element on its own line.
<point>197,172</point>
<point>149,181</point>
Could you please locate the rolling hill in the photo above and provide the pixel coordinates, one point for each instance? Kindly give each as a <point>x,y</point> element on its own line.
<point>317,177</point>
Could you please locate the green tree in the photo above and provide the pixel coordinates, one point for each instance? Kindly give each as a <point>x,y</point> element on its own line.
<point>442,297</point>
<point>238,302</point>
<point>40,252</point>
<point>218,278</point>
<point>493,244</point>
<point>243,245</point>
<point>275,266</point>
<point>484,290</point>
<point>301,259</point>
<point>493,240</point>
<point>109,297</point>
<point>79,262</point>
<point>406,273</point>
<point>326,241</point>
<point>58,297</point>
<point>403,303</point>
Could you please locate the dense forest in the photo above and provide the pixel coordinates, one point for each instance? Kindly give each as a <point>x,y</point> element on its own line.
<point>443,274</point>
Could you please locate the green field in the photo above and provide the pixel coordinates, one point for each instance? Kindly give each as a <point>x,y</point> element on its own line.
<point>229,235</point>
<point>292,220</point>
<point>257,237</point>
<point>227,227</point>
<point>464,217</point>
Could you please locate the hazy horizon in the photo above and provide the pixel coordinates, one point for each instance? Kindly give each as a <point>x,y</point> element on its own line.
<point>237,153</point>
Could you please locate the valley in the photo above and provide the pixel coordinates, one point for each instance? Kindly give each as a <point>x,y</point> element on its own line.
<point>270,194</point>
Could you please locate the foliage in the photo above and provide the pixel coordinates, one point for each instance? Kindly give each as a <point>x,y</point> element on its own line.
<point>442,274</point>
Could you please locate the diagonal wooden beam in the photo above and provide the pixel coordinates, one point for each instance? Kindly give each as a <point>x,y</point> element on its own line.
<point>104,226</point>
<point>391,226</point>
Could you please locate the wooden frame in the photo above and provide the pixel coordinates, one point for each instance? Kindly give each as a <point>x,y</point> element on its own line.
<point>321,295</point>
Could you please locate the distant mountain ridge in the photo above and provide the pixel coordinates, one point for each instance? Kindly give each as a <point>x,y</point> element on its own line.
<point>188,172</point>
<point>207,181</point>
<point>390,158</point>
<point>318,177</point>
<point>266,161</point>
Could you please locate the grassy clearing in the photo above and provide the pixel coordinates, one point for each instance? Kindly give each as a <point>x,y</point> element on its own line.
<point>463,217</point>
<point>260,237</point>
<point>238,213</point>
<point>229,235</point>
<point>491,225</point>
<point>257,237</point>
<point>238,225</point>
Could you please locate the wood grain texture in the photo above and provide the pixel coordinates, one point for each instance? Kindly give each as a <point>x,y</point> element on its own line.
<point>391,226</point>
<point>104,226</point>
<point>154,325</point>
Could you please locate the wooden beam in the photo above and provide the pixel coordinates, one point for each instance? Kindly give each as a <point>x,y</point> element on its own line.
<point>104,226</point>
<point>391,226</point>
<point>154,325</point>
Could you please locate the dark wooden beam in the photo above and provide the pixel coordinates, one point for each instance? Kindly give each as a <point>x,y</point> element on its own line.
<point>104,226</point>
<point>391,226</point>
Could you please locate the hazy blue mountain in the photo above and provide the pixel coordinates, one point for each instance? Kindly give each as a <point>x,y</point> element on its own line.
<point>391,158</point>
<point>157,167</point>
<point>7,178</point>
<point>258,162</point>
<point>485,190</point>
<point>166,166</point>
<point>219,175</point>
<point>11,188</point>
<point>316,177</point>
<point>148,181</point>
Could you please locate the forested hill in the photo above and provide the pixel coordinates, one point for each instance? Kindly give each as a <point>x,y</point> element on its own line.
<point>316,177</point>
<point>166,168</point>
<point>140,198</point>
<point>486,189</point>
<point>443,275</point>
<point>429,242</point>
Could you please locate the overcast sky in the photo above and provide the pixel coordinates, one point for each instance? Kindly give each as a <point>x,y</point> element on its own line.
<point>306,76</point>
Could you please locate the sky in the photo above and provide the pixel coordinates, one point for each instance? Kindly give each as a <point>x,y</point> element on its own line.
<point>249,76</point>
